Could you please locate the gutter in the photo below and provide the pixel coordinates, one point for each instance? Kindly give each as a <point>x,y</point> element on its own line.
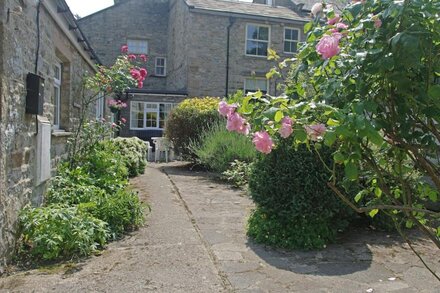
<point>228,35</point>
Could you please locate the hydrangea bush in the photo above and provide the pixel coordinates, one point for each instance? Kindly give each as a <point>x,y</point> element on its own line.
<point>372,93</point>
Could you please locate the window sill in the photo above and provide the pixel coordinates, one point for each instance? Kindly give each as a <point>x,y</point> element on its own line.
<point>256,56</point>
<point>61,133</point>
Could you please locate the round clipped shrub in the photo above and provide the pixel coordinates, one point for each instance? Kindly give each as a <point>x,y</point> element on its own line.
<point>294,206</point>
<point>218,148</point>
<point>187,122</point>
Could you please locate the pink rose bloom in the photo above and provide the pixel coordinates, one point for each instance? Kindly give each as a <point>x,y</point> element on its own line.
<point>328,46</point>
<point>131,57</point>
<point>263,142</point>
<point>135,73</point>
<point>225,110</point>
<point>334,20</point>
<point>377,22</point>
<point>341,25</point>
<point>140,84</point>
<point>143,57</point>
<point>113,125</point>
<point>123,120</point>
<point>337,35</point>
<point>315,131</point>
<point>143,72</point>
<point>124,49</point>
<point>286,127</point>
<point>244,129</point>
<point>316,9</point>
<point>235,122</point>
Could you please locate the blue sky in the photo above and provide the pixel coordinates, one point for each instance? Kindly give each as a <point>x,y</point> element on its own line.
<point>86,7</point>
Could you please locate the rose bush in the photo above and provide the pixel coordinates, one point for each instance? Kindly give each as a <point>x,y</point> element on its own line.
<point>372,93</point>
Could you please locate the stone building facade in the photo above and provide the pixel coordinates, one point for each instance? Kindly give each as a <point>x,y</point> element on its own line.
<point>209,47</point>
<point>40,38</point>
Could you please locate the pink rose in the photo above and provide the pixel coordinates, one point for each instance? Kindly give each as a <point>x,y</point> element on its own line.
<point>140,84</point>
<point>124,49</point>
<point>135,73</point>
<point>143,72</point>
<point>131,57</point>
<point>123,120</point>
<point>341,25</point>
<point>225,110</point>
<point>377,22</point>
<point>286,127</point>
<point>328,46</point>
<point>334,20</point>
<point>235,122</point>
<point>143,57</point>
<point>315,131</point>
<point>113,125</point>
<point>263,142</point>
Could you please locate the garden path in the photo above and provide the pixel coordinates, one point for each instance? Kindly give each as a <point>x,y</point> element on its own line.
<point>195,242</point>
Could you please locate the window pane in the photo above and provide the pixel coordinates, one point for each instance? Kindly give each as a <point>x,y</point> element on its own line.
<point>255,84</point>
<point>262,49</point>
<point>288,34</point>
<point>251,47</point>
<point>151,119</point>
<point>264,33</point>
<point>137,115</point>
<point>252,32</point>
<point>294,35</point>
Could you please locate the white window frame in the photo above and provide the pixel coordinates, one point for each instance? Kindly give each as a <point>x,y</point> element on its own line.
<point>293,41</point>
<point>57,95</point>
<point>136,48</point>
<point>156,66</point>
<point>100,101</point>
<point>252,79</point>
<point>145,111</point>
<point>255,40</point>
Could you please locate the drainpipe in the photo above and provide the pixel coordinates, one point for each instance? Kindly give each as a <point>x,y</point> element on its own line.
<point>231,22</point>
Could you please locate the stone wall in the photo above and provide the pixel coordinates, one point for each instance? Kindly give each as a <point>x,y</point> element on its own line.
<point>110,28</point>
<point>178,46</point>
<point>207,57</point>
<point>18,135</point>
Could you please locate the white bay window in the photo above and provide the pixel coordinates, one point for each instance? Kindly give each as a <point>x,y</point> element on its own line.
<point>149,115</point>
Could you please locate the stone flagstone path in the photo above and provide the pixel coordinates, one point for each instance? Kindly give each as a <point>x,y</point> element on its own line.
<point>195,241</point>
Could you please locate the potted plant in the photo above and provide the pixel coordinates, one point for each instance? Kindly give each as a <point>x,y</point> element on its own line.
<point>116,105</point>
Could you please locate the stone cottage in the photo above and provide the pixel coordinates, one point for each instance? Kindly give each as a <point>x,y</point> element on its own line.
<point>43,57</point>
<point>195,48</point>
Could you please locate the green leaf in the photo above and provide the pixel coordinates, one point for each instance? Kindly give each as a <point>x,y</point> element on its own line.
<point>333,122</point>
<point>278,116</point>
<point>434,92</point>
<point>339,157</point>
<point>330,138</point>
<point>359,196</point>
<point>308,27</point>
<point>351,170</point>
<point>378,192</point>
<point>372,213</point>
<point>300,135</point>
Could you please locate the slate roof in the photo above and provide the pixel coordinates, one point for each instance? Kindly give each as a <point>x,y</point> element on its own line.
<point>245,8</point>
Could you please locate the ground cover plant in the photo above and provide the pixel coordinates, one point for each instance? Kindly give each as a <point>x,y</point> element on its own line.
<point>372,93</point>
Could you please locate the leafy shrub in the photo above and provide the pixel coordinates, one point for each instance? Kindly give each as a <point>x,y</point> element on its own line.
<point>121,211</point>
<point>294,206</point>
<point>58,231</point>
<point>238,173</point>
<point>217,148</point>
<point>106,167</point>
<point>134,151</point>
<point>187,122</point>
